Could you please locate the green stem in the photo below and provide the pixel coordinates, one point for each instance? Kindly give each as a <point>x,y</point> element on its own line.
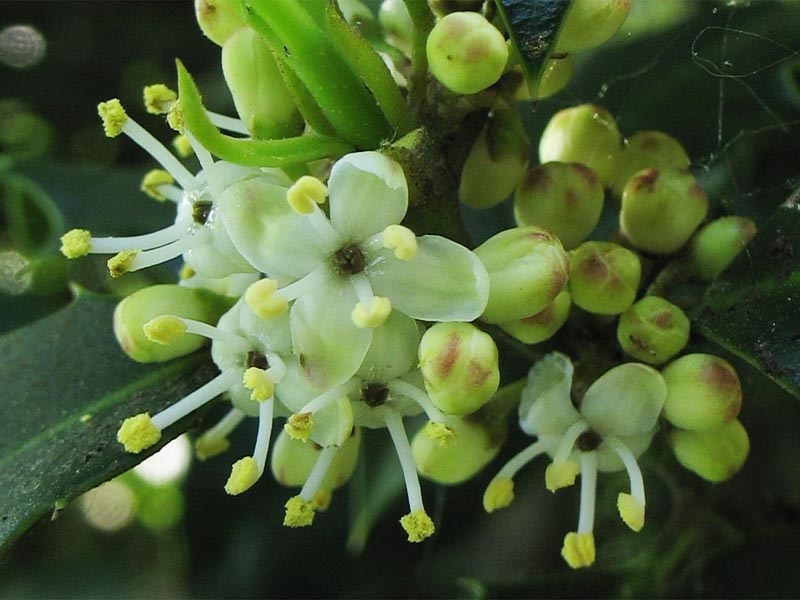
<point>423,20</point>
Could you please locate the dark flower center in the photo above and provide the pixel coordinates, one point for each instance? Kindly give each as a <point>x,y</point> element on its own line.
<point>349,260</point>
<point>256,359</point>
<point>200,211</point>
<point>589,440</point>
<point>374,394</point>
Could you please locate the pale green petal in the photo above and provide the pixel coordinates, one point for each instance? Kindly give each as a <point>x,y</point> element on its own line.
<point>330,347</point>
<point>368,192</point>
<point>393,351</point>
<point>609,461</point>
<point>273,334</point>
<point>443,282</point>
<point>546,406</point>
<point>625,401</point>
<point>333,425</point>
<point>268,233</point>
<point>294,391</point>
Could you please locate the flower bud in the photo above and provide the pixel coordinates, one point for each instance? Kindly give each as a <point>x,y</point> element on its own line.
<point>589,23</point>
<point>555,77</point>
<point>544,324</point>
<point>218,19</point>
<point>459,365</point>
<point>471,449</point>
<point>444,7</point>
<point>661,208</point>
<point>714,247</point>
<point>703,392</point>
<point>527,268</point>
<point>147,303</point>
<point>260,96</point>
<point>604,277</point>
<point>502,150</point>
<point>586,134</point>
<point>563,198</point>
<point>466,53</point>
<point>397,25</point>
<point>715,455</point>
<point>647,150</point>
<point>653,330</point>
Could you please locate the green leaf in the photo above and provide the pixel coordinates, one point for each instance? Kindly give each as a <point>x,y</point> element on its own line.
<point>253,153</point>
<point>28,217</point>
<point>67,387</point>
<point>533,28</point>
<point>751,309</point>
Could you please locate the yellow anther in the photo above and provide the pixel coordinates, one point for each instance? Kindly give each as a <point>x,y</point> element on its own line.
<point>630,511</point>
<point>578,549</point>
<point>182,146</point>
<point>208,445</point>
<point>440,432</point>
<point>153,180</point>
<point>120,264</point>
<point>322,499</point>
<point>76,243</point>
<point>244,474</point>
<point>418,525</point>
<point>305,193</point>
<point>113,115</point>
<point>560,475</point>
<point>263,301</point>
<point>158,98</point>
<point>186,272</point>
<point>499,494</point>
<point>299,512</point>
<point>175,117</point>
<point>259,383</point>
<point>138,433</point>
<point>164,329</point>
<point>402,240</point>
<point>373,315</point>
<point>299,426</point>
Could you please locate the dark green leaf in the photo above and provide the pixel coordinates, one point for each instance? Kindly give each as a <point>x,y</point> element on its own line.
<point>752,308</point>
<point>533,28</point>
<point>66,389</point>
<point>32,222</point>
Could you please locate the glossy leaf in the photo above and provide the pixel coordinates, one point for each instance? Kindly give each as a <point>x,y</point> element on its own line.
<point>66,389</point>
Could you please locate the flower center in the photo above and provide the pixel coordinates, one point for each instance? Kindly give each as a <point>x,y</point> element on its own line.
<point>201,210</point>
<point>374,394</point>
<point>256,359</point>
<point>588,441</point>
<point>349,260</point>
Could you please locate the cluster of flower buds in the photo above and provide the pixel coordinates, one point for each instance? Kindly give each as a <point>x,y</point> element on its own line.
<point>324,310</point>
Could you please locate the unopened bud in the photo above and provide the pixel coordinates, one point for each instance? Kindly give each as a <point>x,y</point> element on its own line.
<point>555,77</point>
<point>703,392</point>
<point>653,330</point>
<point>527,268</point>
<point>589,23</point>
<point>715,455</point>
<point>604,277</point>
<point>647,150</point>
<point>715,245</point>
<point>397,25</point>
<point>459,365</point>
<point>563,198</point>
<point>544,324</point>
<point>218,19</point>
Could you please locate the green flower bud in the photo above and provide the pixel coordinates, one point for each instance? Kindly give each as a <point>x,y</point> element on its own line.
<point>466,53</point>
<point>527,268</point>
<point>397,25</point>
<point>604,277</point>
<point>218,19</point>
<point>661,208</point>
<point>544,324</point>
<point>471,449</point>
<point>147,303</point>
<point>714,247</point>
<point>703,392</point>
<point>653,330</point>
<point>444,7</point>
<point>555,77</point>
<point>501,149</point>
<point>589,23</point>
<point>647,150</point>
<point>564,198</point>
<point>459,366</point>
<point>715,455</point>
<point>586,134</point>
<point>260,96</point>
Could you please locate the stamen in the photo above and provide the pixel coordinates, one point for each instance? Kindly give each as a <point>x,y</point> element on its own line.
<point>318,472</point>
<point>113,116</point>
<point>259,383</point>
<point>499,494</point>
<point>221,383</point>
<point>578,549</point>
<point>299,512</point>
<point>158,98</point>
<point>305,285</point>
<point>154,183</point>
<point>138,433</point>
<point>147,241</point>
<point>440,432</point>
<point>265,413</point>
<point>305,194</point>
<point>149,258</point>
<point>373,314</point>
<point>562,472</point>
<point>299,425</point>
<point>522,458</point>
<point>121,263</point>
<point>227,123</point>
<point>76,243</point>
<point>631,506</point>
<point>244,473</point>
<point>363,288</point>
<point>204,157</point>
<point>588,491</point>
<point>402,240</point>
<point>164,329</point>
<point>418,525</point>
<point>214,333</point>
<point>215,440</point>
<point>324,399</point>
<point>182,146</point>
<point>412,392</point>
<point>261,298</point>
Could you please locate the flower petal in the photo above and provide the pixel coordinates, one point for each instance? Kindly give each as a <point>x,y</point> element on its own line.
<point>625,401</point>
<point>330,347</point>
<point>546,407</point>
<point>368,192</point>
<point>333,425</point>
<point>393,351</point>
<point>444,281</point>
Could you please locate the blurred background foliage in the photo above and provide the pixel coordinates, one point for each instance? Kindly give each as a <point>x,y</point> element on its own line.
<point>722,77</point>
